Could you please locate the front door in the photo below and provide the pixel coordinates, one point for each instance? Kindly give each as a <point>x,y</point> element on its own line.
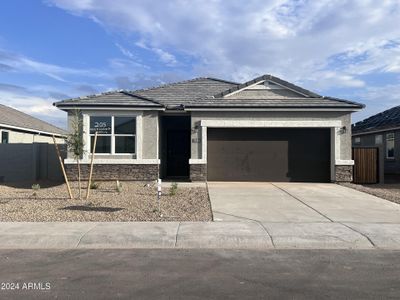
<point>175,145</point>
<point>178,153</point>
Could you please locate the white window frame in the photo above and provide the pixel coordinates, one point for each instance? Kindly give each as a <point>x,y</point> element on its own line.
<point>113,135</point>
<point>389,138</point>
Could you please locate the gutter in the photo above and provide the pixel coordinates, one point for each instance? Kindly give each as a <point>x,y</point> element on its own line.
<point>33,130</point>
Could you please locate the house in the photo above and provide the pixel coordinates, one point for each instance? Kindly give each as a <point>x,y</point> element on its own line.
<point>265,129</point>
<point>17,127</point>
<point>27,153</point>
<point>381,131</point>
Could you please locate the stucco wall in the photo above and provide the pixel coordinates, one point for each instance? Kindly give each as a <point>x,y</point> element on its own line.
<point>150,135</point>
<point>15,137</point>
<point>344,117</point>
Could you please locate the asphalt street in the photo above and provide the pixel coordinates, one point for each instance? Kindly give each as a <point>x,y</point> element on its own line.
<point>199,274</point>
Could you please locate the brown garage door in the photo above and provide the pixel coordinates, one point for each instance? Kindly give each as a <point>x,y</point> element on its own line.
<point>273,154</point>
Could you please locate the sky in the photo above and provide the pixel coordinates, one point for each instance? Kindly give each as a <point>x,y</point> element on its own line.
<point>58,49</point>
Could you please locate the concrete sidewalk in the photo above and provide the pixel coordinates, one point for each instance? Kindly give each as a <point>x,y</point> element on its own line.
<point>227,235</point>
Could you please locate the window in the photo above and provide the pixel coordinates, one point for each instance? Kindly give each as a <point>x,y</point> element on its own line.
<point>4,137</point>
<point>378,139</point>
<point>115,135</point>
<point>124,131</point>
<point>104,133</point>
<point>390,145</point>
<point>357,140</point>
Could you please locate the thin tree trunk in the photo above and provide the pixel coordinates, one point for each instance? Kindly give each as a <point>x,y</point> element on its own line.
<point>79,179</point>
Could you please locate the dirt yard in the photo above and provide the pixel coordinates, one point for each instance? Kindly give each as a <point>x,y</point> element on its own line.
<point>389,192</point>
<point>137,201</point>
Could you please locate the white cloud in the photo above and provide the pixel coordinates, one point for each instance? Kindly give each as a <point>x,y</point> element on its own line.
<point>33,105</point>
<point>294,39</point>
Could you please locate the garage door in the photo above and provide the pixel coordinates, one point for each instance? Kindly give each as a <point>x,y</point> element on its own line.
<point>268,154</point>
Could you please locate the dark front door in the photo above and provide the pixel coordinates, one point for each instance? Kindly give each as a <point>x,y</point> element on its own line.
<point>175,146</point>
<point>178,153</point>
<point>268,154</point>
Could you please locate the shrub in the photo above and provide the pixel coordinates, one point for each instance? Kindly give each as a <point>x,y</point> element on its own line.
<point>173,189</point>
<point>94,185</point>
<point>118,187</point>
<point>35,188</point>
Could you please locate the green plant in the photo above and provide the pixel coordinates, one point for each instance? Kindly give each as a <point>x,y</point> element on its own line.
<point>94,185</point>
<point>173,189</point>
<point>118,186</point>
<point>35,188</point>
<point>75,144</point>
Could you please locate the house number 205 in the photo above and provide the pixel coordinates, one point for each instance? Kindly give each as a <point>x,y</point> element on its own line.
<point>100,124</point>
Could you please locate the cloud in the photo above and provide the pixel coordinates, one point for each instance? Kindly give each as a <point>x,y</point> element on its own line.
<point>294,39</point>
<point>35,100</point>
<point>141,80</point>
<point>14,62</point>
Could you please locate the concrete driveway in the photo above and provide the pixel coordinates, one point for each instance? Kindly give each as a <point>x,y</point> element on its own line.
<point>309,215</point>
<point>298,203</point>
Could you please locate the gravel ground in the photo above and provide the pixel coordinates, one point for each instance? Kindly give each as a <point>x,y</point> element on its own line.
<point>136,202</point>
<point>389,192</point>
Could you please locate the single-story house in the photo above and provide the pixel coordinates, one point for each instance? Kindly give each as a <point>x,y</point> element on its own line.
<point>265,129</point>
<point>381,131</point>
<point>17,127</point>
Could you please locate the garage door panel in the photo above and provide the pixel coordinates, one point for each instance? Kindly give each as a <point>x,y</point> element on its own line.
<point>255,154</point>
<point>244,158</point>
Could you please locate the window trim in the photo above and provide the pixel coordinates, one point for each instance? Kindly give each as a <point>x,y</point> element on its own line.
<point>386,145</point>
<point>88,143</point>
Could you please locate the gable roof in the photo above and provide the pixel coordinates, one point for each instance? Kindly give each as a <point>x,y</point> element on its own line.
<point>274,79</point>
<point>206,92</point>
<point>12,118</point>
<point>385,120</point>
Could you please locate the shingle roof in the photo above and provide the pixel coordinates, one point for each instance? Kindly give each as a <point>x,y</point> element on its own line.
<point>384,120</point>
<point>211,92</point>
<point>185,91</point>
<point>15,118</point>
<point>120,98</point>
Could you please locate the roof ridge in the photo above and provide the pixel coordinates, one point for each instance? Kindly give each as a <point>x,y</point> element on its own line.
<point>180,82</point>
<point>221,80</point>
<point>141,97</point>
<point>164,85</point>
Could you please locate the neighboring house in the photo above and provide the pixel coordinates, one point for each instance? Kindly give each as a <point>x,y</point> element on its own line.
<point>17,127</point>
<point>381,131</point>
<point>265,129</point>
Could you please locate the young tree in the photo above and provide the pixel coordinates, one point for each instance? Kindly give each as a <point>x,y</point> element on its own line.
<point>75,143</point>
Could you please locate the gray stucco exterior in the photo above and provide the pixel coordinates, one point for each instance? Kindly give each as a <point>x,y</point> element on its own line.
<point>264,102</point>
